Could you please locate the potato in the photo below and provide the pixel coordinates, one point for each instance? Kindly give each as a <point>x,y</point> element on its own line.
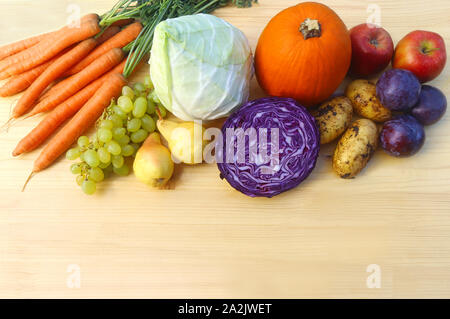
<point>355,148</point>
<point>333,117</point>
<point>364,98</point>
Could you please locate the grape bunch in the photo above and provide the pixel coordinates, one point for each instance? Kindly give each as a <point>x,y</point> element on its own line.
<point>120,131</point>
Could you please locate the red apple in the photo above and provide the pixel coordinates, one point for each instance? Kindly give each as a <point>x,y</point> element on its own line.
<point>372,49</point>
<point>422,53</point>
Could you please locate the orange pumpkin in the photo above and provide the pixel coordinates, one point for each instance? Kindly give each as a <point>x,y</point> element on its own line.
<point>304,53</point>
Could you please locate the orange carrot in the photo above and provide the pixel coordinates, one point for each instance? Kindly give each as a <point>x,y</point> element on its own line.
<point>22,81</point>
<point>16,58</point>
<point>120,40</point>
<point>55,88</point>
<point>47,49</point>
<point>107,34</point>
<point>57,68</point>
<point>61,113</point>
<point>84,119</point>
<point>52,90</point>
<point>13,48</point>
<point>123,22</point>
<point>77,82</point>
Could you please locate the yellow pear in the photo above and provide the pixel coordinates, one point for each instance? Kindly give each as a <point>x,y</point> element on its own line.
<point>185,140</point>
<point>153,164</point>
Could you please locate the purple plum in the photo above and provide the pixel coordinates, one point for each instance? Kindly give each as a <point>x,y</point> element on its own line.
<point>398,90</point>
<point>402,136</point>
<point>431,106</point>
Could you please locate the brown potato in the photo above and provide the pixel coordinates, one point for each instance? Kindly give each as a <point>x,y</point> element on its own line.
<point>363,95</point>
<point>333,117</point>
<point>355,148</point>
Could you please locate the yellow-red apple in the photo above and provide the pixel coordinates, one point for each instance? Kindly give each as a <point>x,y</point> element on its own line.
<point>421,52</point>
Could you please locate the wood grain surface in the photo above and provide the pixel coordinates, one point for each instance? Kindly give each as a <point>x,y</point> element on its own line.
<point>204,239</point>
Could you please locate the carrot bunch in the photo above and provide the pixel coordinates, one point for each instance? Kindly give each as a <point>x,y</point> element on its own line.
<point>70,72</point>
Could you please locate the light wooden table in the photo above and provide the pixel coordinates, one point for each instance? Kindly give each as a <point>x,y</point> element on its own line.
<point>205,239</point>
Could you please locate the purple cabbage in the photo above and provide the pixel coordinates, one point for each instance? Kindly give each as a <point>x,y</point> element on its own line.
<point>283,128</point>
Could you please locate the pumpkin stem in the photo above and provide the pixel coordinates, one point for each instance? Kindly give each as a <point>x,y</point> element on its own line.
<point>310,29</point>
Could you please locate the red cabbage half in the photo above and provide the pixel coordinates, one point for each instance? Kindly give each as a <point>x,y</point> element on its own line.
<point>286,164</point>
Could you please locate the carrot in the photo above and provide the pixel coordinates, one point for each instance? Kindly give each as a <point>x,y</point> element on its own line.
<point>55,34</point>
<point>85,118</point>
<point>57,68</point>
<point>108,33</point>
<point>22,81</point>
<point>47,49</point>
<point>60,114</point>
<point>77,82</point>
<point>13,48</point>
<point>123,22</point>
<point>53,89</point>
<point>120,40</point>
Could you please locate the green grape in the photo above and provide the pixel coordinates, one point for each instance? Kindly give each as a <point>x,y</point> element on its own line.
<point>139,136</point>
<point>73,154</point>
<point>151,108</point>
<point>133,125</point>
<point>82,157</point>
<point>148,82</point>
<point>103,155</point>
<point>122,171</point>
<point>91,158</point>
<point>139,87</point>
<point>96,174</point>
<point>119,132</point>
<point>113,147</point>
<point>127,91</point>
<point>117,110</point>
<point>88,187</point>
<point>162,110</point>
<point>108,169</point>
<point>154,97</point>
<point>80,179</point>
<point>148,124</point>
<point>75,168</point>
<point>117,161</point>
<point>104,165</point>
<point>140,107</point>
<point>127,150</point>
<point>155,118</point>
<point>104,135</point>
<point>135,146</point>
<point>83,141</point>
<point>125,103</point>
<point>117,120</point>
<point>106,124</point>
<point>96,144</point>
<point>123,140</point>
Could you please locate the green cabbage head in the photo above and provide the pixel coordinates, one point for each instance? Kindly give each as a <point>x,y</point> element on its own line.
<point>201,66</point>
